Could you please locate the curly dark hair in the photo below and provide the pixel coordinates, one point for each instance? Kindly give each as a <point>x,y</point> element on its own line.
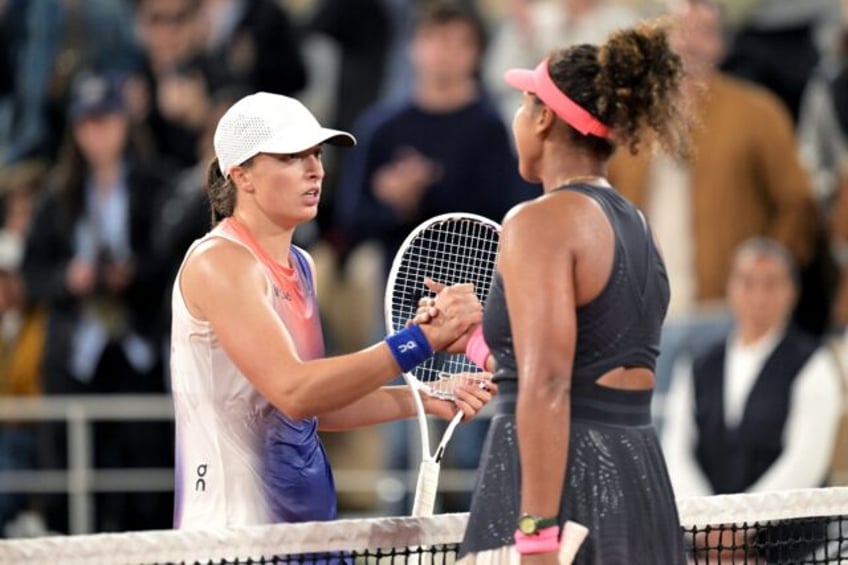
<point>629,82</point>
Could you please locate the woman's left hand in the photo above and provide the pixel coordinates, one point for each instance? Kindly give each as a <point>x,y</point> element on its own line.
<point>472,391</point>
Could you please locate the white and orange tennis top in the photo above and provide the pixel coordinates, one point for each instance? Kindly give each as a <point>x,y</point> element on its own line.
<point>239,461</point>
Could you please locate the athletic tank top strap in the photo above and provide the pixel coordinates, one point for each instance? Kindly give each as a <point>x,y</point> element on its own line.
<point>621,326</point>
<point>178,300</point>
<point>618,328</point>
<point>304,269</point>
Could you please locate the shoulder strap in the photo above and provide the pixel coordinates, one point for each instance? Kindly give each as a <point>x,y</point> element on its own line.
<point>303,266</point>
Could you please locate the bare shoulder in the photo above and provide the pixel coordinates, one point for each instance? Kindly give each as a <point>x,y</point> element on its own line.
<point>217,269</point>
<point>551,219</point>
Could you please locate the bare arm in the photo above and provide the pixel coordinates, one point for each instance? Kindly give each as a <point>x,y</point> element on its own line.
<point>391,403</point>
<point>385,404</point>
<point>538,274</point>
<point>224,285</point>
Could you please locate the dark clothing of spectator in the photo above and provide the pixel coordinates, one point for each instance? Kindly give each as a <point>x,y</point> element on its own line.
<point>471,146</point>
<point>127,360</point>
<point>782,60</point>
<point>262,52</point>
<point>734,458</point>
<point>174,143</point>
<point>362,31</point>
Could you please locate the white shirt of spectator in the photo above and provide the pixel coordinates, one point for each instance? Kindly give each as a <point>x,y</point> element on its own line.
<point>808,436</point>
<point>670,209</point>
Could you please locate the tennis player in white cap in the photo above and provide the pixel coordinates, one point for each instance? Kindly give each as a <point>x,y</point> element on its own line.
<point>251,387</point>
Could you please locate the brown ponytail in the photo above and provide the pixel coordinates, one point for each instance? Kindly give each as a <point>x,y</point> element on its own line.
<point>629,82</point>
<point>221,192</point>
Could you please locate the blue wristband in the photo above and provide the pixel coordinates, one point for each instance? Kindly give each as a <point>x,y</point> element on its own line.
<point>409,347</point>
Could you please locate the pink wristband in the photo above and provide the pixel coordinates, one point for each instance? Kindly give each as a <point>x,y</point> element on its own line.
<point>544,541</point>
<point>476,348</point>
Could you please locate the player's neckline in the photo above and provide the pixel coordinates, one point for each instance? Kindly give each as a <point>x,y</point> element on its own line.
<point>591,180</point>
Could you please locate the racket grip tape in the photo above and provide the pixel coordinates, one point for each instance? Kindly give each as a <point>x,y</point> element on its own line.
<point>425,490</point>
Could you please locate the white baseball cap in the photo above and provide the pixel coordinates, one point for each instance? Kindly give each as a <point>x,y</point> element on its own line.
<point>269,123</point>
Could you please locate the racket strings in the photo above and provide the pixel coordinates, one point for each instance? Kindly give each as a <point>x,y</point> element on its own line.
<point>450,252</point>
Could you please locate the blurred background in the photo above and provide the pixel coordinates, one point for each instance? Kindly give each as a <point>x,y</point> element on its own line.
<point>107,109</point>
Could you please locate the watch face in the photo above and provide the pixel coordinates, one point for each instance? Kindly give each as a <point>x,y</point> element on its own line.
<point>527,525</point>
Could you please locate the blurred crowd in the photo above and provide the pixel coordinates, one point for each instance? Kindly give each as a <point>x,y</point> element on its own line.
<point>107,109</point>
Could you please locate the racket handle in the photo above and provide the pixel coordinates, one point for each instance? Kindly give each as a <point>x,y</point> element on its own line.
<point>425,491</point>
<point>573,535</point>
<point>440,451</point>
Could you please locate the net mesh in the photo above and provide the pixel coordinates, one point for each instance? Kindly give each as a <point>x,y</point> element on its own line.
<point>449,251</point>
<point>795,527</point>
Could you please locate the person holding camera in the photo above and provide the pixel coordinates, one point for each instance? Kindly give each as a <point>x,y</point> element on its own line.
<point>89,259</point>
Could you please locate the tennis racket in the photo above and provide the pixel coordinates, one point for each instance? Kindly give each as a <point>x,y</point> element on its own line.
<point>450,249</point>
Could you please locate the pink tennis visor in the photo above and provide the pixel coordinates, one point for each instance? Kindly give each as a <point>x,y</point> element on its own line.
<point>539,82</point>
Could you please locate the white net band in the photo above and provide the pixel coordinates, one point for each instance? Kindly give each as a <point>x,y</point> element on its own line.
<point>242,543</point>
<point>825,509</point>
<point>763,507</point>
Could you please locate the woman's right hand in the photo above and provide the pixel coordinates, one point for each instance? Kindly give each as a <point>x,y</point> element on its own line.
<point>459,311</point>
<point>428,311</point>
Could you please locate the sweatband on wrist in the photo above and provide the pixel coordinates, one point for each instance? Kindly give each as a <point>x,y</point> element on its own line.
<point>476,349</point>
<point>543,541</point>
<point>409,347</point>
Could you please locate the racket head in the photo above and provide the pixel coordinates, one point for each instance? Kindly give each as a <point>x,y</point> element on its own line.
<point>450,249</point>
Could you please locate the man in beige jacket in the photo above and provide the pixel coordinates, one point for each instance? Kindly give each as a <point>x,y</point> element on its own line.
<point>744,179</point>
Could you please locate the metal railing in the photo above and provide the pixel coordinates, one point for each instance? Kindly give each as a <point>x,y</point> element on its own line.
<point>80,480</point>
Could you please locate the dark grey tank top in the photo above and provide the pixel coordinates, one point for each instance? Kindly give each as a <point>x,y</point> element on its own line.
<point>621,326</point>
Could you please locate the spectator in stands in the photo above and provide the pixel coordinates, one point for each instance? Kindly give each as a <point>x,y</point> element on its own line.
<point>253,44</point>
<point>192,48</point>
<point>444,150</point>
<point>22,332</point>
<point>532,28</point>
<point>361,32</point>
<point>823,120</point>
<point>777,44</point>
<point>170,91</point>
<point>89,259</point>
<point>823,141</point>
<point>758,411</point>
<point>744,180</point>
<point>48,41</point>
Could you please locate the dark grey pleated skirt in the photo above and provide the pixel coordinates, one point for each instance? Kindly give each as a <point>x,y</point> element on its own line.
<point>616,485</point>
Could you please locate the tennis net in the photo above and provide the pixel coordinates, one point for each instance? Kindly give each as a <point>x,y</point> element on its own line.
<point>793,527</point>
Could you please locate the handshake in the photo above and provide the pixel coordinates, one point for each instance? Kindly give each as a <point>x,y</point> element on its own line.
<point>450,318</point>
<point>451,322</point>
